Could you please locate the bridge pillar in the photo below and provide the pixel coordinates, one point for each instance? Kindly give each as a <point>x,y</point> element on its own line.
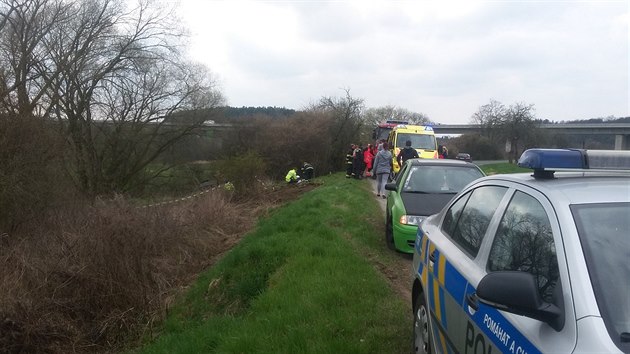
<point>621,142</point>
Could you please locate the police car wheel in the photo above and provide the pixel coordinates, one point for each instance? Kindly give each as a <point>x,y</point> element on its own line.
<point>421,339</point>
<point>389,233</point>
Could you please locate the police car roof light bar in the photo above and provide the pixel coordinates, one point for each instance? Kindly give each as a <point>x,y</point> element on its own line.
<point>545,162</point>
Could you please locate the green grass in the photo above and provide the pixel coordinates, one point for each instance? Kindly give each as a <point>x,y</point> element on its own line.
<point>302,282</point>
<point>499,168</point>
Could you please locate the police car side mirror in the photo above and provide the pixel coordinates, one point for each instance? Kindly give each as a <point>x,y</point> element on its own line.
<point>390,186</point>
<point>517,292</point>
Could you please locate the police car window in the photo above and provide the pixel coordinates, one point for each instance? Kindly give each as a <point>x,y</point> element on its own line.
<point>603,231</point>
<point>467,220</point>
<point>524,242</point>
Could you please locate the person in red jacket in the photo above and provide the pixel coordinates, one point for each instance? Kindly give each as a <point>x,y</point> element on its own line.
<point>368,157</point>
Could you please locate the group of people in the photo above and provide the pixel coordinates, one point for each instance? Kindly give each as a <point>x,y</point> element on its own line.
<point>367,161</point>
<point>306,174</point>
<point>378,162</point>
<point>359,161</point>
<point>370,161</point>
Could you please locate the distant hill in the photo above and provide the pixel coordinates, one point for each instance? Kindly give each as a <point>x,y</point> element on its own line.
<point>596,120</point>
<point>226,114</point>
<point>240,112</point>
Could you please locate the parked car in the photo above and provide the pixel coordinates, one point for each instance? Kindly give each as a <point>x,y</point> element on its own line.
<point>529,263</point>
<point>421,189</point>
<point>463,156</point>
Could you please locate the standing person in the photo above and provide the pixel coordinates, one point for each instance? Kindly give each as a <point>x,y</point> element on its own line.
<point>349,161</point>
<point>375,151</point>
<point>406,153</point>
<point>442,152</point>
<point>379,147</point>
<point>357,163</point>
<point>368,157</point>
<point>382,167</point>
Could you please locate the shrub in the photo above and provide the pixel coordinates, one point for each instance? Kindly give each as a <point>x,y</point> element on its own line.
<point>90,278</point>
<point>479,147</point>
<point>242,171</point>
<point>31,176</point>
<point>286,143</point>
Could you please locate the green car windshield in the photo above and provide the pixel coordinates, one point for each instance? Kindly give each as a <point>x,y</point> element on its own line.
<point>439,179</point>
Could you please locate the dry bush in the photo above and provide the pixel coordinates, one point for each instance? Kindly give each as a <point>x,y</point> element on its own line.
<point>286,143</point>
<point>89,279</point>
<point>31,177</point>
<point>242,172</point>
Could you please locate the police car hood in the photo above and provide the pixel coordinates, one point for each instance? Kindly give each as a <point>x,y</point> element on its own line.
<point>425,204</point>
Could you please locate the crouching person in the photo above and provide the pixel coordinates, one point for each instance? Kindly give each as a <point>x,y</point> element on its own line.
<point>292,176</point>
<point>307,171</point>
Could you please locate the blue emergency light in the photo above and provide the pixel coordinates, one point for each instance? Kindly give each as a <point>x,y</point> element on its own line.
<point>545,162</point>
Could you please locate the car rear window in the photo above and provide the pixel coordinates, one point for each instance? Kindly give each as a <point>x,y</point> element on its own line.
<point>603,229</point>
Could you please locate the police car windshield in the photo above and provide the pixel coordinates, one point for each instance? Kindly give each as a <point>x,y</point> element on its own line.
<point>418,141</point>
<point>439,179</point>
<point>603,231</point>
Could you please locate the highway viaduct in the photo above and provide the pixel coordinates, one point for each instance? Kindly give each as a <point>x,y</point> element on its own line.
<point>621,131</point>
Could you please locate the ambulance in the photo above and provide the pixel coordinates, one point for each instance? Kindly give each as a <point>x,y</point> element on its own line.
<point>422,139</point>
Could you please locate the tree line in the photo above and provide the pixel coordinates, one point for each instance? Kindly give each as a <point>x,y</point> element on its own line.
<point>97,98</point>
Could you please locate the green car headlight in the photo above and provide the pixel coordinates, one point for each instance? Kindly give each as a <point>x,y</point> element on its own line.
<point>411,219</point>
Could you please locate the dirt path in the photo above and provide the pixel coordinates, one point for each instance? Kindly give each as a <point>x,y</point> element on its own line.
<point>400,275</point>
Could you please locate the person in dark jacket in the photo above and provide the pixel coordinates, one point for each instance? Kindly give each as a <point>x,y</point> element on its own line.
<point>357,163</point>
<point>307,171</point>
<point>406,153</point>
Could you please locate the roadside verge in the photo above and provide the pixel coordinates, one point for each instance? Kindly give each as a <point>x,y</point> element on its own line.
<point>304,280</point>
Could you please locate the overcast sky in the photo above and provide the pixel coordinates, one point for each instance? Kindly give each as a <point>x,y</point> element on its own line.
<point>441,58</point>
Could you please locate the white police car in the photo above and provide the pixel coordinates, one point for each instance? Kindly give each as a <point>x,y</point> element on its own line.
<point>529,263</point>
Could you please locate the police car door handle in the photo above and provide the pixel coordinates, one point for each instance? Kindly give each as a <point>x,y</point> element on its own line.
<point>432,259</point>
<point>473,301</point>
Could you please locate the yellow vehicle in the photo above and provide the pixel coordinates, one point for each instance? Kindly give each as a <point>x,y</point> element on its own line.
<point>422,139</point>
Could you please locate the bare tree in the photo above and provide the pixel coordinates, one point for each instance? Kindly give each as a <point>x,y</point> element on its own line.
<point>111,76</point>
<point>373,116</point>
<point>517,126</point>
<point>513,125</point>
<point>347,121</point>
<point>25,25</point>
<point>489,117</point>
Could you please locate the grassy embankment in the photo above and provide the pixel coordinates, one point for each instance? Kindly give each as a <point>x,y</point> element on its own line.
<point>303,281</point>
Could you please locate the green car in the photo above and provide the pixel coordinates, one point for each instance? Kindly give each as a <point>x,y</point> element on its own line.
<point>422,188</point>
